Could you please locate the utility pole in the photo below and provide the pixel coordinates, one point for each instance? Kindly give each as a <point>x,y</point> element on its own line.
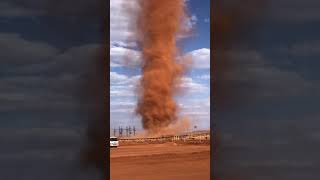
<point>134,130</point>
<point>127,131</point>
<point>120,131</point>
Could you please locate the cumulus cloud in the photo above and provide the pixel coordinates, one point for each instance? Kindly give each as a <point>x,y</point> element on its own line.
<point>121,79</point>
<point>200,58</point>
<point>191,21</point>
<point>120,56</point>
<point>191,86</point>
<point>122,97</point>
<point>197,111</point>
<point>122,15</point>
<point>124,44</point>
<point>122,85</point>
<point>116,78</point>
<point>204,77</point>
<point>196,108</point>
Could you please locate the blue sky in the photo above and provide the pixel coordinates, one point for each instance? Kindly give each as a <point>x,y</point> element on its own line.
<point>125,72</point>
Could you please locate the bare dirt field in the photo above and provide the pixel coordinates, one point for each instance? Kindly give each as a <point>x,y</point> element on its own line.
<point>168,161</point>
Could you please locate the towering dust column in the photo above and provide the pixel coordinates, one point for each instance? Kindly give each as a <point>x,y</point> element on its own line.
<point>159,22</point>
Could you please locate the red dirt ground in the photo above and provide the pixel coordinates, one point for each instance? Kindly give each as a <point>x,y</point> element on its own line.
<point>167,161</point>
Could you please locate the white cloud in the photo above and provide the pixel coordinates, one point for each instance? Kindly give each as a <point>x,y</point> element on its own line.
<point>122,13</point>
<point>121,92</point>
<point>121,79</point>
<point>199,104</point>
<point>122,85</point>
<point>123,103</point>
<point>204,77</point>
<point>116,78</point>
<point>206,20</point>
<point>122,106</point>
<point>112,64</point>
<point>194,18</point>
<point>200,58</point>
<point>120,56</point>
<point>197,111</point>
<point>190,22</point>
<point>187,25</point>
<point>193,87</point>
<point>124,44</point>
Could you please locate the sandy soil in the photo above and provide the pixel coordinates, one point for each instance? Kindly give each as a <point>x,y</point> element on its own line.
<point>167,161</point>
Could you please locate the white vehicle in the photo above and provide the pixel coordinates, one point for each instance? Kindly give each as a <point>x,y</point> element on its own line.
<point>114,142</point>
